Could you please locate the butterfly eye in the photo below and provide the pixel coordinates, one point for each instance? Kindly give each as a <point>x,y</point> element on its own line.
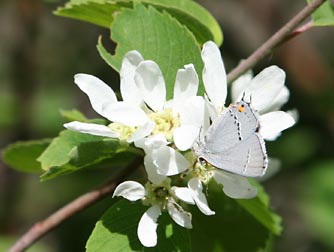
<point>241,108</point>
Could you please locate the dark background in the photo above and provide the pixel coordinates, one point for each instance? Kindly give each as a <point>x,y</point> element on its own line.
<point>40,53</point>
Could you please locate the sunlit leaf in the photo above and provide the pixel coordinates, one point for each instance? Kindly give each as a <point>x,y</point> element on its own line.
<point>157,36</point>
<point>117,231</point>
<point>324,15</point>
<point>101,12</point>
<point>22,155</point>
<point>72,150</point>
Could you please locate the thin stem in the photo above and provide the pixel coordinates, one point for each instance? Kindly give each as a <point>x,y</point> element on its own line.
<point>305,27</point>
<point>40,228</point>
<point>274,41</point>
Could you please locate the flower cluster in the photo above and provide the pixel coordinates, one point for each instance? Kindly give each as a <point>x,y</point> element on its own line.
<point>167,130</point>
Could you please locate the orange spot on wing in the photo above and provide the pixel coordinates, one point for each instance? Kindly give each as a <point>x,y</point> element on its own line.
<point>241,108</point>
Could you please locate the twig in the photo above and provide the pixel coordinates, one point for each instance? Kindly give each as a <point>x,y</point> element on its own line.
<point>40,228</point>
<point>274,41</point>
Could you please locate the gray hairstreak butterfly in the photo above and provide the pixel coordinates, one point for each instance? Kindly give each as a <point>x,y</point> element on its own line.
<point>232,142</point>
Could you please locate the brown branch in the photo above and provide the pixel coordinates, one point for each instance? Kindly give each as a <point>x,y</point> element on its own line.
<point>274,41</point>
<point>40,228</point>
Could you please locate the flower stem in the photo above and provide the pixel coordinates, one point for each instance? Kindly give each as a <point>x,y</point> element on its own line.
<point>283,34</point>
<point>41,228</point>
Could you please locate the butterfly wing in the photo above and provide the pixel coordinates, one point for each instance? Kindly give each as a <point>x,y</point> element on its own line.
<point>234,125</point>
<point>247,158</point>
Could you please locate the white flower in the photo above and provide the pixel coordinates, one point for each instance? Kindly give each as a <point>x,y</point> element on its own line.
<point>266,91</point>
<point>158,197</point>
<point>144,110</point>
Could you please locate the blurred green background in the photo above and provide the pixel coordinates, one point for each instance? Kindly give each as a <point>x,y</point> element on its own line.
<point>40,53</point>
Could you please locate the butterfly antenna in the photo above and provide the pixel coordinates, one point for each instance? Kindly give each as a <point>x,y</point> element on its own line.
<point>243,96</point>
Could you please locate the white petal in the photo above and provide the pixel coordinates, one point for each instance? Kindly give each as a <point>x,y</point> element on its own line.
<point>294,113</point>
<point>214,75</point>
<point>128,87</point>
<point>180,216</point>
<point>147,227</point>
<point>169,161</point>
<point>184,194</point>
<point>235,186</point>
<point>240,84</point>
<point>185,136</point>
<point>142,132</point>
<point>192,111</point>
<point>271,124</point>
<point>265,87</point>
<point>91,128</point>
<point>186,84</point>
<point>99,93</point>
<point>195,185</point>
<point>125,113</point>
<point>150,82</point>
<point>130,190</point>
<point>152,142</point>
<point>211,109</point>
<point>151,170</point>
<point>280,100</point>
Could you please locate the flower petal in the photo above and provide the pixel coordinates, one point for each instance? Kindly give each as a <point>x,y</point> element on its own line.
<point>192,111</point>
<point>168,161</point>
<point>151,170</point>
<point>152,142</point>
<point>195,185</point>
<point>125,113</point>
<point>128,86</point>
<point>271,124</point>
<point>265,87</point>
<point>280,100</point>
<point>180,216</point>
<point>142,132</point>
<point>240,84</point>
<point>184,194</point>
<point>235,186</point>
<point>186,84</point>
<point>91,128</point>
<point>151,84</point>
<point>214,75</point>
<point>130,190</point>
<point>147,227</point>
<point>98,92</point>
<point>185,136</point>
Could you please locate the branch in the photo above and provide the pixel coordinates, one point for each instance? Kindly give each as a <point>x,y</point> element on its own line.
<point>283,34</point>
<point>40,228</point>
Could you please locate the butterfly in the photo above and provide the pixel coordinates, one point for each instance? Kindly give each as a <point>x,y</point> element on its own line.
<point>233,142</point>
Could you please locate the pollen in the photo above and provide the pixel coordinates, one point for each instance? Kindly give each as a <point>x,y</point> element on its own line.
<point>125,132</point>
<point>165,123</point>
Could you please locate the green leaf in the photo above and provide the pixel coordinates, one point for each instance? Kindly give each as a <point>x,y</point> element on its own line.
<point>72,150</point>
<point>117,231</point>
<point>234,227</point>
<point>157,36</point>
<point>259,208</point>
<point>73,115</point>
<point>59,151</point>
<point>316,201</point>
<point>324,15</point>
<point>22,155</point>
<point>100,12</point>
